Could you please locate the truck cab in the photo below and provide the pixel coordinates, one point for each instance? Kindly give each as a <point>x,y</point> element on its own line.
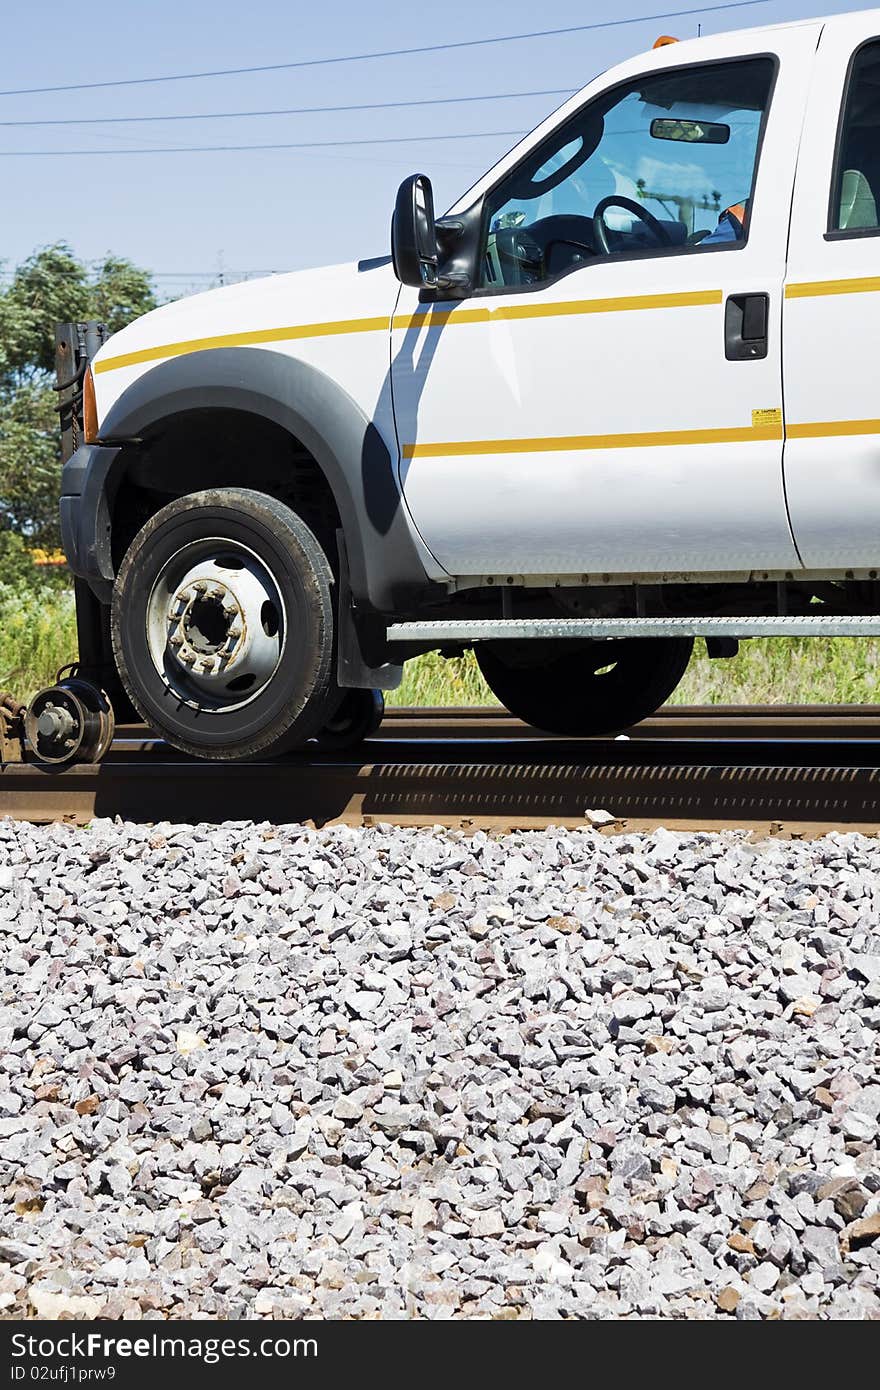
<point>619,397</point>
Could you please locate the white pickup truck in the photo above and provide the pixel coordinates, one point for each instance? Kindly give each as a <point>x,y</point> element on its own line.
<point>620,396</point>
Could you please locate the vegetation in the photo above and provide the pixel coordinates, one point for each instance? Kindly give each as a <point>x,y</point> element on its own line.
<point>772,670</point>
<point>37,636</point>
<point>50,287</point>
<point>435,680</point>
<point>786,671</point>
<point>37,622</point>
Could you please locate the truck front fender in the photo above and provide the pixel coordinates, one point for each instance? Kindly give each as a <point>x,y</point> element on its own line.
<point>386,557</point>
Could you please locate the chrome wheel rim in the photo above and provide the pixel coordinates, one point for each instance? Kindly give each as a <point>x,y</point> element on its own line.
<point>216,625</point>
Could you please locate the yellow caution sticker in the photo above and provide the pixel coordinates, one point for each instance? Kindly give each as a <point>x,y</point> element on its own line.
<point>768,416</point>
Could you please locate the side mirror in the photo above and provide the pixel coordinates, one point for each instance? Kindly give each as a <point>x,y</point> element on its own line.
<point>413,234</point>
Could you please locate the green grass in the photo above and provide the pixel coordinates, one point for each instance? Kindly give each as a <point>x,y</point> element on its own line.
<point>786,671</point>
<point>435,680</point>
<point>38,635</point>
<point>772,670</point>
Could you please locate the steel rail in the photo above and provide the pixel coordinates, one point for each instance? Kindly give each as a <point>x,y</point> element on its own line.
<point>773,770</point>
<point>780,722</point>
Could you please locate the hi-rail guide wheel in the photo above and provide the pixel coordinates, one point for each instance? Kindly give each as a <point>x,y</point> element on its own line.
<point>358,715</point>
<point>70,722</point>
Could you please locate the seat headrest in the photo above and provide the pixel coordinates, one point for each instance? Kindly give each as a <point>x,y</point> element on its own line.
<point>857,205</point>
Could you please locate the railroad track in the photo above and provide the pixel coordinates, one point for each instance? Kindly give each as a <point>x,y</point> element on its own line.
<point>772,770</point>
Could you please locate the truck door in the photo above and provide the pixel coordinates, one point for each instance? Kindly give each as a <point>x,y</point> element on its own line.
<point>608,398</point>
<point>831,330</point>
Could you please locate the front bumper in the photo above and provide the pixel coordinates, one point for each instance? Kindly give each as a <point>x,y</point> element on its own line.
<point>85,516</point>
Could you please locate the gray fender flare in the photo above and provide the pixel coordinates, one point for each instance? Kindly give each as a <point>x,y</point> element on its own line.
<point>386,557</point>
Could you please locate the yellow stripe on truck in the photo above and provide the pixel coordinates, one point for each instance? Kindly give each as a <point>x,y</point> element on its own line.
<point>808,289</point>
<point>438,316</point>
<point>829,429</point>
<point>251,339</point>
<point>431,316</point>
<point>772,429</point>
<point>570,443</point>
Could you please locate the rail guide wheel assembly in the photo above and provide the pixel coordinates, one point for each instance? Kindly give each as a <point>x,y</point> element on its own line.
<point>358,715</point>
<point>12,713</point>
<point>70,722</point>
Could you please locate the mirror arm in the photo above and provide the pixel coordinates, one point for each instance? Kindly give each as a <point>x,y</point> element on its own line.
<point>453,280</point>
<point>449,226</point>
<point>450,230</point>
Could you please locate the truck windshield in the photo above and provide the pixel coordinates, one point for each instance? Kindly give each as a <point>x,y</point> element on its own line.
<point>668,161</point>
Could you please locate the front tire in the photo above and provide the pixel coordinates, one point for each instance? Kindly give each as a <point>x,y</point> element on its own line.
<point>222,625</point>
<point>583,689</point>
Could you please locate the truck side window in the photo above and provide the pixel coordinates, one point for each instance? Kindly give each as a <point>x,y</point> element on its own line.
<point>665,163</point>
<point>856,192</point>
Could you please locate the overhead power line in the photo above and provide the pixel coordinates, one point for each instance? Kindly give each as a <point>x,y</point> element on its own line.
<point>295,110</point>
<point>387,52</point>
<point>295,145</point>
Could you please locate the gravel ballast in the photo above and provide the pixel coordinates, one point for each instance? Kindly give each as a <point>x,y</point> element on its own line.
<point>271,1071</point>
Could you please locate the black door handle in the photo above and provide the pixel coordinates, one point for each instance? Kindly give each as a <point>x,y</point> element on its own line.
<point>745,326</point>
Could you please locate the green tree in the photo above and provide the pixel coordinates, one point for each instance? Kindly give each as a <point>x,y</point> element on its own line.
<point>29,462</point>
<point>119,292</point>
<point>52,286</point>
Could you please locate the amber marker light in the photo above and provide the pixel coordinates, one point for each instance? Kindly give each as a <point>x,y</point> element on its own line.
<point>90,409</point>
<point>663,40</point>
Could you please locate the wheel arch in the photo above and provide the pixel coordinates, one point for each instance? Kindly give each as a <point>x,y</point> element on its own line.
<point>385,557</point>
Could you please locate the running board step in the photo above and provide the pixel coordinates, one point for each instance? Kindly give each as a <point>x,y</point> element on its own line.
<point>465,630</point>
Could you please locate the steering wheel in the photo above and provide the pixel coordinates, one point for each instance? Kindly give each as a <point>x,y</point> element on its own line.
<point>616,200</point>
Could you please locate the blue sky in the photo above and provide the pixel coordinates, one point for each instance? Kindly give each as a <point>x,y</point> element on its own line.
<point>185,215</point>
